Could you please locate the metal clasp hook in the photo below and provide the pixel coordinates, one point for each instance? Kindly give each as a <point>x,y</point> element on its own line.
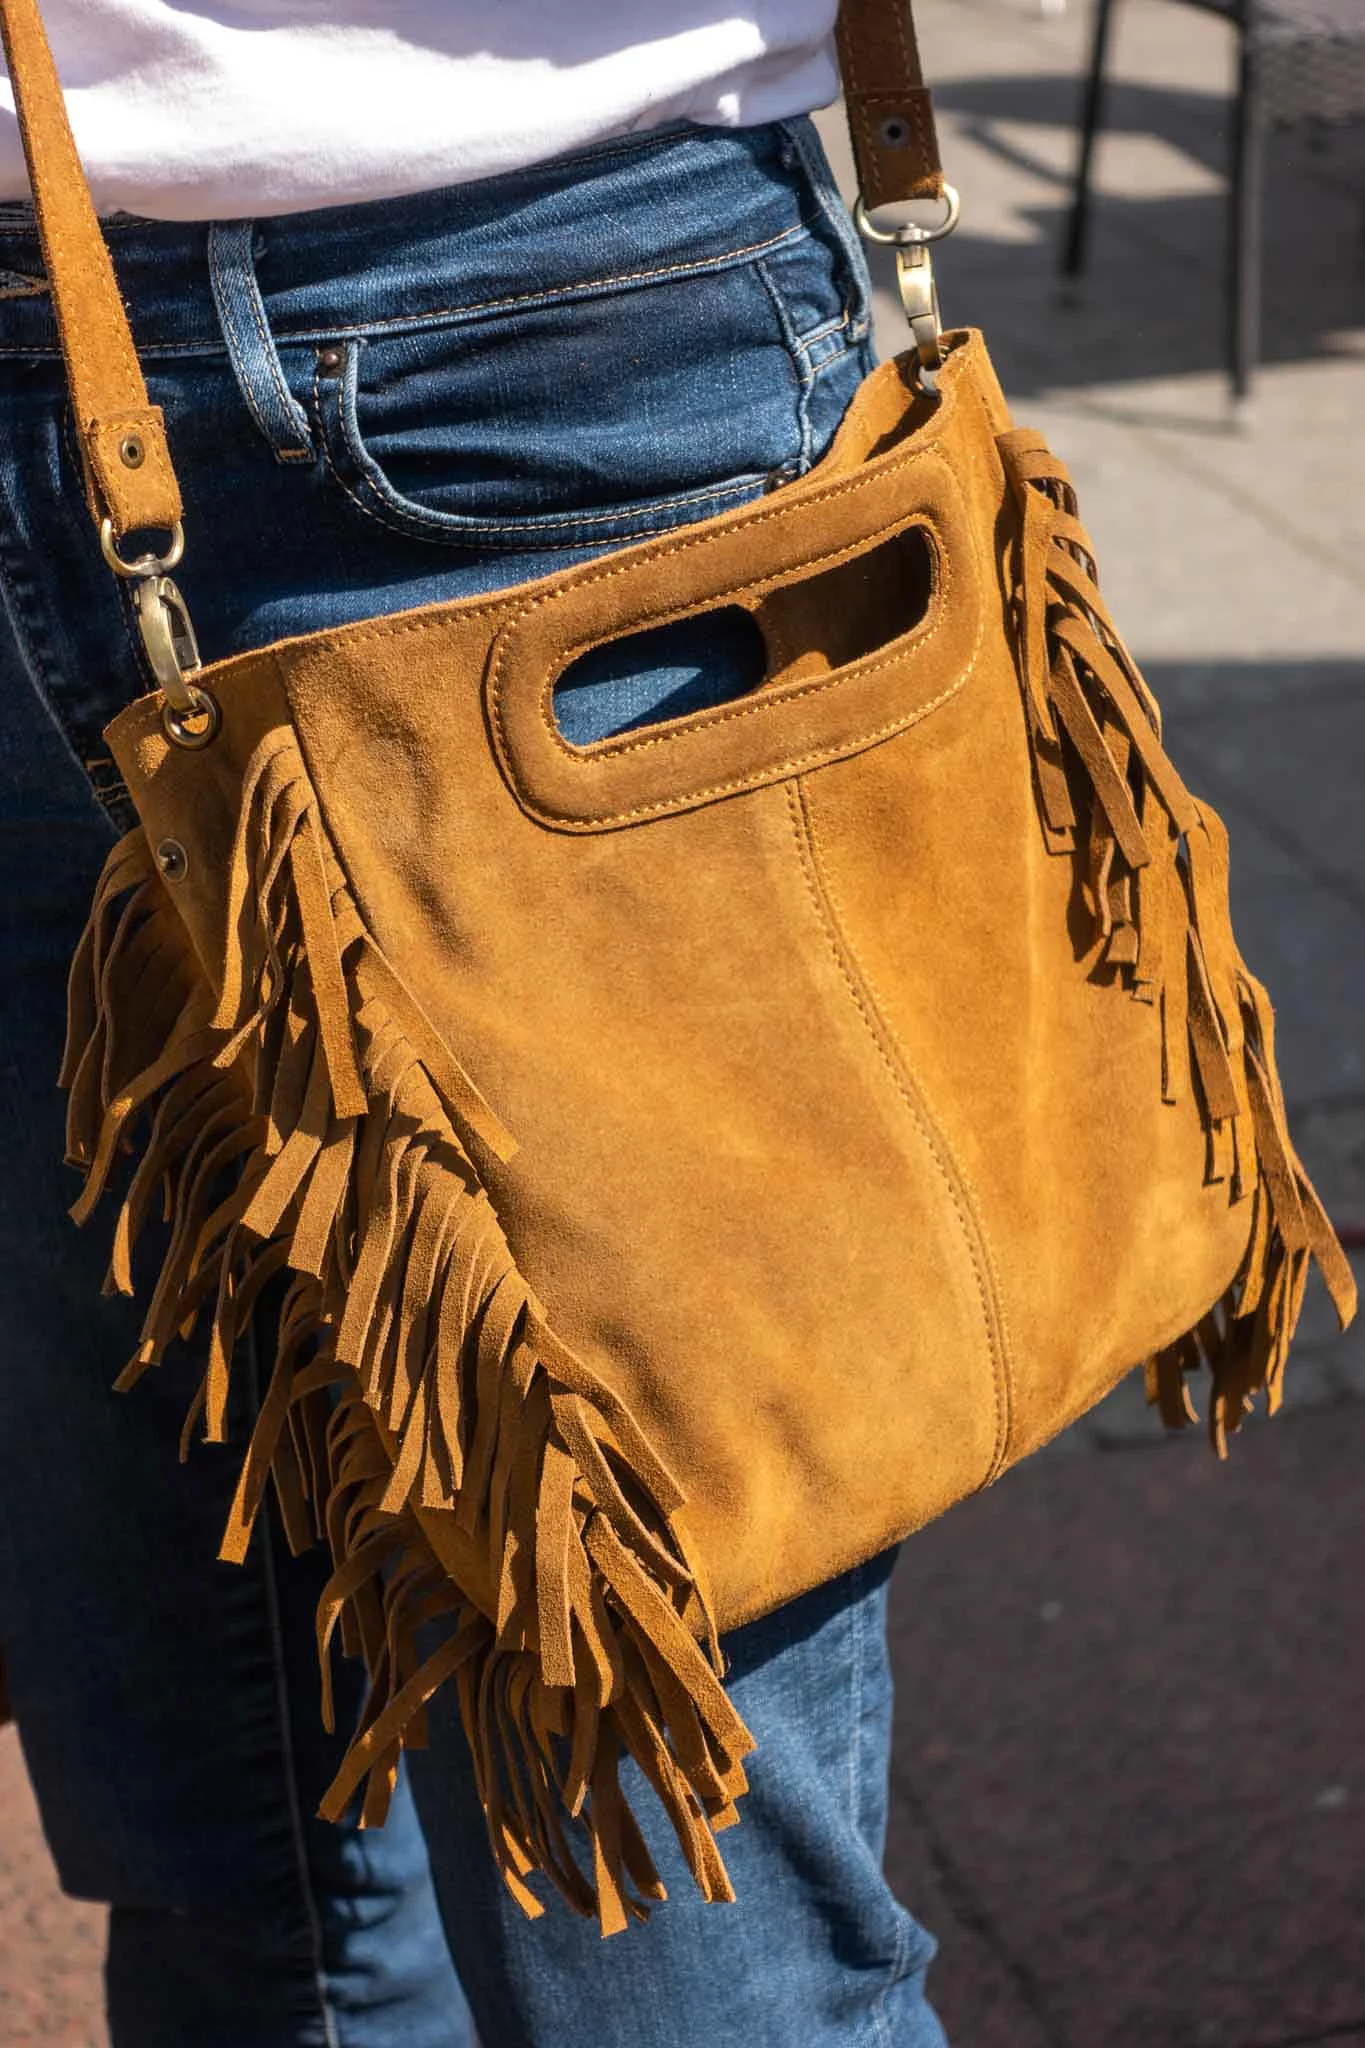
<point>915,275</point>
<point>168,636</point>
<point>191,715</point>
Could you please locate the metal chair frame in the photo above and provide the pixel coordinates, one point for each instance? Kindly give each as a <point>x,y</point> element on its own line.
<point>1248,18</point>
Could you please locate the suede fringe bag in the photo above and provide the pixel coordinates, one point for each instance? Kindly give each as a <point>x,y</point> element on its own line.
<point>688,1163</point>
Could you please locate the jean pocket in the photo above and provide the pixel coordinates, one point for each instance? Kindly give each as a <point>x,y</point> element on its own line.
<point>598,418</point>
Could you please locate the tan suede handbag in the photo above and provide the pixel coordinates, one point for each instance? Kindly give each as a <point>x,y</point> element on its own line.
<point>689,1162</point>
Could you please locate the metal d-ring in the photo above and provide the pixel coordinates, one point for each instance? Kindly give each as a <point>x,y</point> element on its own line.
<point>909,234</point>
<point>142,565</point>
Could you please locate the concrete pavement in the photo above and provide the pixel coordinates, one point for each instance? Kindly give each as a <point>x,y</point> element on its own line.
<point>51,1948</point>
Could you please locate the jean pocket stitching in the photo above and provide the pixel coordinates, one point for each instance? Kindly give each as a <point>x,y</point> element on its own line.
<point>373,495</point>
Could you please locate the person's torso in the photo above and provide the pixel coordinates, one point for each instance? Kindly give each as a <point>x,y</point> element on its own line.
<point>221,109</point>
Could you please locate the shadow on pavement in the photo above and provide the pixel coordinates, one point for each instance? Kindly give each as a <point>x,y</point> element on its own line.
<point>1152,300</point>
<point>1128,1792</point>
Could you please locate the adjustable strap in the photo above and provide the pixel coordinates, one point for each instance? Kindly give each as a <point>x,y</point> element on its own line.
<point>128,474</point>
<point>890,114</point>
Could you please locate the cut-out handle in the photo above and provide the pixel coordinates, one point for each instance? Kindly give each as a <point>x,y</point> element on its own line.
<point>749,559</point>
<point>656,675</point>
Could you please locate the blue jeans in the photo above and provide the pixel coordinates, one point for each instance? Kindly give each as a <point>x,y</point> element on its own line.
<point>373,408</point>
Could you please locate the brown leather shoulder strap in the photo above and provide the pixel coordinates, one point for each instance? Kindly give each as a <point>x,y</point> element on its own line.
<point>129,477</point>
<point>890,114</point>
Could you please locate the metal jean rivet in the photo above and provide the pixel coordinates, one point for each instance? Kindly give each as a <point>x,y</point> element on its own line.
<point>894,131</point>
<point>329,359</point>
<point>132,451</point>
<point>172,860</point>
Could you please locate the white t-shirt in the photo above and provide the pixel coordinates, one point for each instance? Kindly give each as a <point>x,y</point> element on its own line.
<point>221,109</point>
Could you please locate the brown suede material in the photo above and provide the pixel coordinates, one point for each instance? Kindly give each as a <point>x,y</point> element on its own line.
<point>836,1160</point>
<point>107,389</point>
<point>890,113</point>
<point>818,715</point>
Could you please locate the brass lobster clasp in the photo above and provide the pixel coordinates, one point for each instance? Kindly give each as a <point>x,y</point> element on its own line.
<point>190,714</point>
<point>915,274</point>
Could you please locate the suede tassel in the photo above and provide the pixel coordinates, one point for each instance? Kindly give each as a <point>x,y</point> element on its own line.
<point>1154,862</point>
<point>307,1123</point>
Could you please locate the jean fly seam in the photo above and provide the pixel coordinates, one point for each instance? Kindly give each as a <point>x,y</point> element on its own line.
<point>326,2009</point>
<point>33,655</point>
<point>23,614</point>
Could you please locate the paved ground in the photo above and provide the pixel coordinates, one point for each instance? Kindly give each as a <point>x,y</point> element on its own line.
<point>1129,1778</point>
<point>50,1948</point>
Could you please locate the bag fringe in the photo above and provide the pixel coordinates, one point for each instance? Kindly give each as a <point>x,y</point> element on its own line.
<point>307,1123</point>
<point>464,1465</point>
<point>1155,866</point>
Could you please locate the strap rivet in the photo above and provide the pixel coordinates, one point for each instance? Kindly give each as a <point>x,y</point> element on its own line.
<point>329,360</point>
<point>172,860</point>
<point>132,451</point>
<point>894,132</point>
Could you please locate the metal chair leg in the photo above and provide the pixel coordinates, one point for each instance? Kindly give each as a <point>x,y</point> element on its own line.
<point>1246,200</point>
<point>1078,226</point>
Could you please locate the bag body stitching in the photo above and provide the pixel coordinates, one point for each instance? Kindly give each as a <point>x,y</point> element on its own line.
<point>961,1193</point>
<point>755,778</point>
<point>753,706</point>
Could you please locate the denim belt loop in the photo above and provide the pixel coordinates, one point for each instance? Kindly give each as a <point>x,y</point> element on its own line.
<point>250,344</point>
